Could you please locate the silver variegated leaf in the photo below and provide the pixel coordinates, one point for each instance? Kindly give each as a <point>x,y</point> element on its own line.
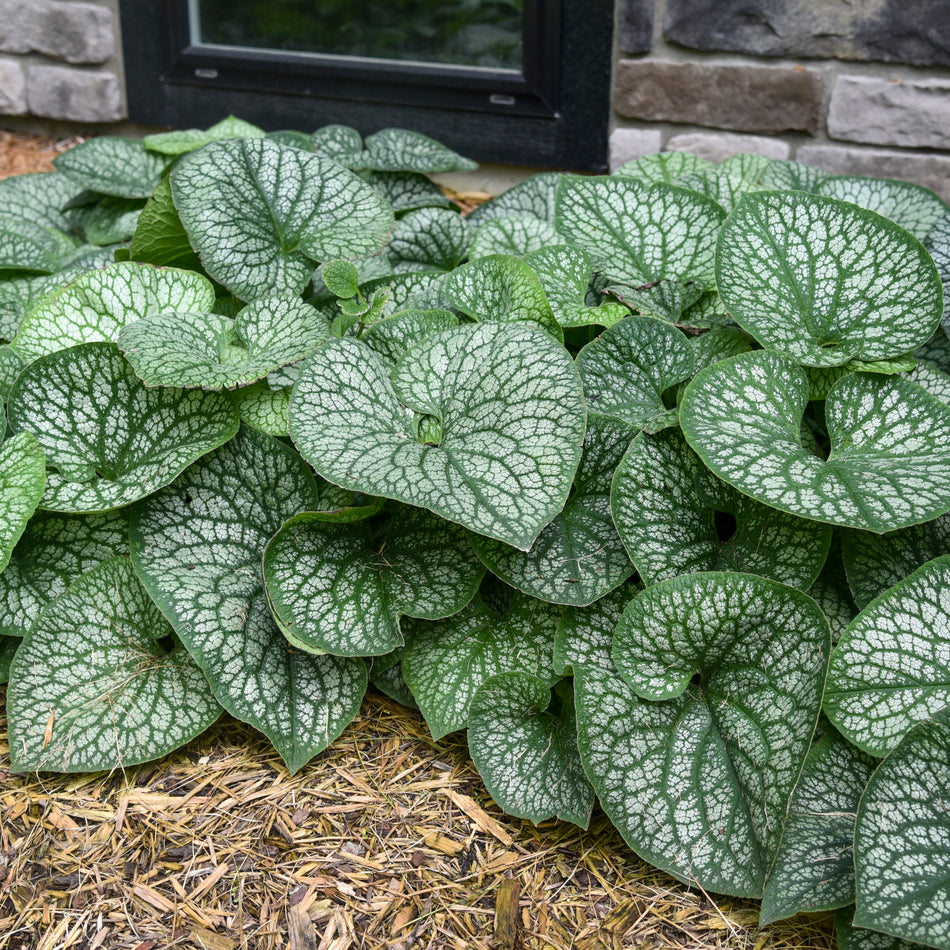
<point>902,839</point>
<point>110,165</point>
<point>97,305</point>
<point>667,299</point>
<point>729,180</point>
<point>436,238</point>
<point>628,368</point>
<point>512,422</point>
<point>814,868</point>
<point>889,463</point>
<point>892,666</point>
<point>578,556</point>
<point>160,236</point>
<point>934,380</point>
<point>341,587</point>
<point>665,167</point>
<point>697,778</point>
<point>93,686</point>
<point>203,350</point>
<point>197,547</point>
<point>399,150</point>
<point>447,660</point>
<point>849,937</point>
<point>341,143</point>
<point>180,141</point>
<point>675,517</point>
<point>824,280</point>
<point>38,198</point>
<point>638,233</point>
<point>395,335</point>
<point>108,440</point>
<point>913,207</point>
<point>832,593</point>
<point>534,198</point>
<point>784,176</point>
<point>406,191</point>
<point>258,214</point>
<point>526,754</point>
<point>514,236</point>
<point>938,243</point>
<point>22,481</point>
<point>111,220</point>
<point>29,248</point>
<point>10,367</point>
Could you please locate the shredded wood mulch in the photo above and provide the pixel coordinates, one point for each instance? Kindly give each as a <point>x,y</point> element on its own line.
<point>386,840</point>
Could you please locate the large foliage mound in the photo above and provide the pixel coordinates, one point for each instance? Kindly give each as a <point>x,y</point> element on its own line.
<point>642,479</point>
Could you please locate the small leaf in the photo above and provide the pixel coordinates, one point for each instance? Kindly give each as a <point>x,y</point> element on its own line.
<point>814,868</point>
<point>92,686</point>
<point>341,277</point>
<point>511,445</point>
<point>181,141</point>
<point>38,198</point>
<point>663,167</point>
<point>578,556</point>
<point>791,176</point>
<point>889,464</point>
<point>728,181</point>
<point>203,350</point>
<point>258,214</point>
<point>406,191</point>
<point>627,369</point>
<point>666,299</point>
<point>514,236</point>
<point>110,165</point>
<point>675,517</point>
<point>340,143</point>
<point>96,306</point>
<point>108,440</point>
<point>111,221</point>
<point>395,335</point>
<point>337,587</point>
<point>446,661</point>
<point>430,237</point>
<point>902,839</point>
<point>534,198</point>
<point>396,150</point>
<point>197,546</point>
<point>789,276</point>
<point>28,247</point>
<point>527,755</point>
<point>22,479</point>
<point>892,666</point>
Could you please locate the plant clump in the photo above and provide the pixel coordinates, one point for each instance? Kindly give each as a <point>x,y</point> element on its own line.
<point>641,479</point>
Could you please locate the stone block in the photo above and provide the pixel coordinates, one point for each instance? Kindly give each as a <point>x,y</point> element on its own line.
<point>628,144</point>
<point>908,113</point>
<point>716,146</point>
<point>59,92</point>
<point>930,170</point>
<point>891,31</point>
<point>635,25</point>
<point>70,31</point>
<point>12,88</point>
<point>741,98</point>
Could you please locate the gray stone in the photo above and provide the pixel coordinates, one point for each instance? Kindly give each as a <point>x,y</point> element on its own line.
<point>635,25</point>
<point>627,144</point>
<point>891,31</point>
<point>12,88</point>
<point>59,92</point>
<point>743,98</point>
<point>73,32</point>
<point>930,170</point>
<point>716,146</point>
<point>909,113</point>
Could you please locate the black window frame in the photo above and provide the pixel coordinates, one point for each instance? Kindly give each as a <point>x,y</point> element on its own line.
<point>553,114</point>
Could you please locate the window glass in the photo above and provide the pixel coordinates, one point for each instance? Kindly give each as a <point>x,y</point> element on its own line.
<point>485,33</point>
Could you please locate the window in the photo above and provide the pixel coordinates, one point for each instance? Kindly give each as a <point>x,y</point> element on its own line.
<point>517,81</point>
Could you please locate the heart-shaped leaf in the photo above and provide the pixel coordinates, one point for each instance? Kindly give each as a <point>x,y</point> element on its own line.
<point>10,367</point>
<point>667,299</point>
<point>431,237</point>
<point>565,274</point>
<point>198,546</point>
<point>341,587</point>
<point>108,440</point>
<point>697,778</point>
<point>675,517</point>
<point>902,839</point>
<point>96,306</point>
<point>110,165</point>
<point>514,236</point>
<point>509,447</point>
<point>52,552</point>
<point>160,237</point>
<point>913,207</point>
<point>406,191</point>
<point>824,280</point>
<point>38,198</point>
<point>639,233</point>
<point>728,181</point>
<point>578,556</point>
<point>94,687</point>
<point>527,755</point>
<point>447,660</point>
<point>187,140</point>
<point>500,289</point>
<point>814,868</point>
<point>533,198</point>
<point>889,464</point>
<point>585,635</point>
<point>664,167</point>
<point>398,150</point>
<point>211,352</point>
<point>339,142</point>
<point>22,480</point>
<point>395,335</point>
<point>792,176</point>
<point>111,220</point>
<point>627,369</point>
<point>258,214</point>
<point>28,248</point>
<point>892,666</point>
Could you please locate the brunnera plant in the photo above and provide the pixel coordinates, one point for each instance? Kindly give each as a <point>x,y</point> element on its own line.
<point>643,480</point>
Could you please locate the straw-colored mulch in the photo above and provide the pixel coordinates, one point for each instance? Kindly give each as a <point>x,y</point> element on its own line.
<point>387,840</point>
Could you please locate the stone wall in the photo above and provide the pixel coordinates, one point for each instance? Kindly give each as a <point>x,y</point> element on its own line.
<point>854,86</point>
<point>61,59</point>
